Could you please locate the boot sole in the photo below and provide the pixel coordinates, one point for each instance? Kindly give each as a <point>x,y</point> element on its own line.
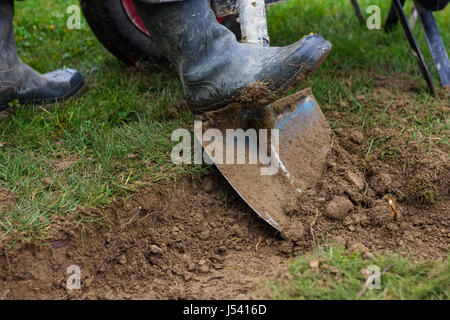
<point>36,104</point>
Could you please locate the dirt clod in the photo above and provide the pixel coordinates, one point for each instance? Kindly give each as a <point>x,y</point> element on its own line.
<point>357,247</point>
<point>382,182</point>
<point>208,184</point>
<point>314,264</point>
<point>356,137</point>
<point>338,208</point>
<point>368,255</point>
<point>155,249</point>
<point>356,179</point>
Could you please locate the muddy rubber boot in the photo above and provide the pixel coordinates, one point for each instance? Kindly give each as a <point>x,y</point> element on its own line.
<point>19,81</point>
<point>215,69</point>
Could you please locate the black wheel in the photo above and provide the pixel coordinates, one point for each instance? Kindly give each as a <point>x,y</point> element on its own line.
<point>119,28</point>
<point>112,23</point>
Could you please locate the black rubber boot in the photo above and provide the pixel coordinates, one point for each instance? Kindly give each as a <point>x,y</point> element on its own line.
<point>19,81</point>
<point>215,69</point>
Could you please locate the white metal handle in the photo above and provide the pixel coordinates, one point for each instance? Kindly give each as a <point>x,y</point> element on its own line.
<point>253,20</point>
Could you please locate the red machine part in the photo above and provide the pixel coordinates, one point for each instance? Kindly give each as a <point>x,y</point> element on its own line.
<point>136,19</point>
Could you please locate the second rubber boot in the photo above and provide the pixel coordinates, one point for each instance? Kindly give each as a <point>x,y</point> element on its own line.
<point>214,68</point>
<point>19,81</point>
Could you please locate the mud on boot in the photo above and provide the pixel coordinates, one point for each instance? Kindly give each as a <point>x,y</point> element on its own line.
<point>215,69</point>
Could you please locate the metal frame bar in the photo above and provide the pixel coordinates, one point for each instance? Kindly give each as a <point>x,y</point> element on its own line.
<point>398,6</point>
<point>436,44</point>
<point>392,18</point>
<point>358,11</point>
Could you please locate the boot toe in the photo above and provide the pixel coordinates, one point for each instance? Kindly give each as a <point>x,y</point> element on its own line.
<point>315,48</point>
<point>290,65</point>
<point>308,55</point>
<point>66,82</point>
<point>58,85</point>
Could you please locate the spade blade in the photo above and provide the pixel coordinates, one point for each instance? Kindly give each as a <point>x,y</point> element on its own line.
<point>297,161</point>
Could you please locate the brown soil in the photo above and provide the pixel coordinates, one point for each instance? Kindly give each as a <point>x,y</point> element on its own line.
<point>256,95</point>
<point>6,200</point>
<point>383,215</point>
<point>197,239</point>
<point>182,244</point>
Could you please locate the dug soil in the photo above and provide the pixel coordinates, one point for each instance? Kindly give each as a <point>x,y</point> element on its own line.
<point>384,189</point>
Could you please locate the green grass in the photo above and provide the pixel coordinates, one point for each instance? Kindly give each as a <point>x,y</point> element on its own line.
<point>125,112</point>
<point>340,275</point>
<point>357,54</point>
<point>117,136</point>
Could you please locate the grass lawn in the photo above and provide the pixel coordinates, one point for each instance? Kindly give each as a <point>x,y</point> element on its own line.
<point>116,138</point>
<point>336,273</point>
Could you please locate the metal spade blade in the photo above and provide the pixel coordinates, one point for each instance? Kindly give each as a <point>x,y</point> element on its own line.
<point>293,165</point>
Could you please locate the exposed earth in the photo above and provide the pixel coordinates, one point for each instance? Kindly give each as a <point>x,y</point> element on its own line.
<point>194,238</point>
